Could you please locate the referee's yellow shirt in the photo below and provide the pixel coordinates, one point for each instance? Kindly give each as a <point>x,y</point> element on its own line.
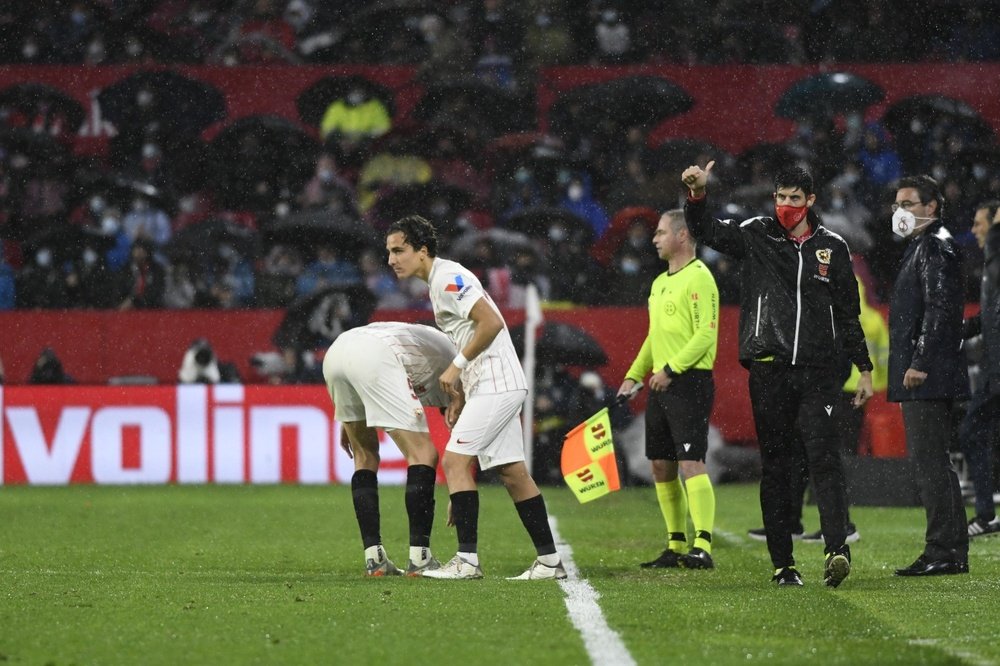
<point>683,323</point>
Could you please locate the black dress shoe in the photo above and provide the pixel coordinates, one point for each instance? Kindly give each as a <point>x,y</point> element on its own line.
<point>924,566</point>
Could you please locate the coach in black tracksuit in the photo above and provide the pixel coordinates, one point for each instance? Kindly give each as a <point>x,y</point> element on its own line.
<point>798,316</point>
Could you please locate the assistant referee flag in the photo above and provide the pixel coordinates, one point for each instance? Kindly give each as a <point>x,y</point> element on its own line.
<point>588,458</point>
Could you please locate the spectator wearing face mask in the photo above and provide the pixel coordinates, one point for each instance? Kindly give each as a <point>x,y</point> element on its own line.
<point>146,220</point>
<point>579,200</point>
<point>40,283</point>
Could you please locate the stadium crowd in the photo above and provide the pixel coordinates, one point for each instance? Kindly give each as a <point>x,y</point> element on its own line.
<point>268,213</point>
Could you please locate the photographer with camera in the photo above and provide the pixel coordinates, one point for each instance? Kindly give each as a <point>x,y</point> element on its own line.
<point>201,366</point>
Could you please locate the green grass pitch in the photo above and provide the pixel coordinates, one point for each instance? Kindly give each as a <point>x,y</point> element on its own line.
<point>273,575</point>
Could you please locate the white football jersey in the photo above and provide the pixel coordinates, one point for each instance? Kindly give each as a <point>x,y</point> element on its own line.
<point>425,353</point>
<point>453,291</point>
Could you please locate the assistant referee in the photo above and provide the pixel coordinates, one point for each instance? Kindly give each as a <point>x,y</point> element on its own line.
<point>680,350</point>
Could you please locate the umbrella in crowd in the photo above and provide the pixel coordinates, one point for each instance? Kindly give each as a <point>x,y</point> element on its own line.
<point>68,241</point>
<point>307,229</point>
<point>206,237</point>
<point>313,102</point>
<point>315,320</point>
<point>826,95</point>
<point>620,103</point>
<point>559,343</point>
<point>395,22</point>
<point>256,157</point>
<point>36,102</point>
<point>917,114</point>
<point>504,243</point>
<point>461,101</point>
<point>537,223</point>
<point>675,155</point>
<point>431,142</point>
<point>437,201</point>
<point>116,189</point>
<point>32,153</point>
<point>164,99</point>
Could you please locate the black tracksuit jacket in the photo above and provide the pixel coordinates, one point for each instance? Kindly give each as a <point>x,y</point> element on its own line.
<point>799,303</point>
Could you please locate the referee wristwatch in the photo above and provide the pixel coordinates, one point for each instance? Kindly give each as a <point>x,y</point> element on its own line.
<point>670,373</point>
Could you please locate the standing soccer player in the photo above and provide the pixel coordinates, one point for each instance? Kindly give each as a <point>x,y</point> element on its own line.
<point>489,427</point>
<point>381,376</point>
<point>680,351</point>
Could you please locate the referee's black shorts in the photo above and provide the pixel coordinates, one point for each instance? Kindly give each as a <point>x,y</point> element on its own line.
<point>677,419</point>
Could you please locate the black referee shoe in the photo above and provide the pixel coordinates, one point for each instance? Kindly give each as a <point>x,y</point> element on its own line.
<point>667,560</point>
<point>697,559</point>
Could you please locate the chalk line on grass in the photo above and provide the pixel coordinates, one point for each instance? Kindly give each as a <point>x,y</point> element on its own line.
<point>603,644</point>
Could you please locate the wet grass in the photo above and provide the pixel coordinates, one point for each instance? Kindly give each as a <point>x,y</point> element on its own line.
<point>246,575</point>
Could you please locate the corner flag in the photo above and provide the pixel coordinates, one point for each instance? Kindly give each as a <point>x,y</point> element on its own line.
<point>588,458</point>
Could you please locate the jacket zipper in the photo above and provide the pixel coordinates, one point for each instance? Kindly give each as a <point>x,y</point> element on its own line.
<point>833,324</point>
<point>756,330</point>
<point>798,306</point>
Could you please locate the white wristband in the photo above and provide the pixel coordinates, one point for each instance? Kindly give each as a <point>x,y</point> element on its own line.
<point>460,361</point>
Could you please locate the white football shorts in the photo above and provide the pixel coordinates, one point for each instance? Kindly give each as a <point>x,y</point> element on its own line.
<point>490,428</point>
<point>368,383</point>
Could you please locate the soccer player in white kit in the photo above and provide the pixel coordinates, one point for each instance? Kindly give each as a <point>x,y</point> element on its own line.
<point>382,376</point>
<point>489,427</point>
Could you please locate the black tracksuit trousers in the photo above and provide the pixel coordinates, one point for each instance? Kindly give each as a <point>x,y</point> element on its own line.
<point>789,399</point>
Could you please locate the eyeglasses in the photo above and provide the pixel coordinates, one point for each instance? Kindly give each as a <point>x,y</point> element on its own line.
<point>905,205</point>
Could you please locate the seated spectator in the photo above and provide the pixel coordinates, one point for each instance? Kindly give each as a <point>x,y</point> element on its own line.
<point>579,199</point>
<point>381,282</point>
<point>145,279</point>
<point>327,270</point>
<point>145,219</point>
<point>40,283</point>
<point>91,284</point>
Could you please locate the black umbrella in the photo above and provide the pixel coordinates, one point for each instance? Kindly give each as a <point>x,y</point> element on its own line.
<point>67,241</point>
<point>506,245</point>
<point>827,94</point>
<point>918,113</point>
<point>562,344</point>
<point>201,238</point>
<point>675,155</point>
<point>313,102</point>
<point>439,202</point>
<point>347,235</point>
<point>162,98</point>
<point>315,320</point>
<point>37,100</point>
<point>619,103</point>
<point>431,142</point>
<point>258,153</point>
<point>33,153</point>
<point>372,27</point>
<point>536,222</point>
<point>115,188</point>
<point>461,101</point>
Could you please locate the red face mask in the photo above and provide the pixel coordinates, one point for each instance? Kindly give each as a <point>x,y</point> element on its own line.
<point>790,216</point>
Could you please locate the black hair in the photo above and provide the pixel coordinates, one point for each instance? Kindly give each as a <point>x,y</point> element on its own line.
<point>417,231</point>
<point>792,177</point>
<point>991,205</point>
<point>927,188</point>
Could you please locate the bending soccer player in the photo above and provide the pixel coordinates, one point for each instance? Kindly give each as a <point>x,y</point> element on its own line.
<point>489,427</point>
<point>680,351</point>
<point>381,376</point>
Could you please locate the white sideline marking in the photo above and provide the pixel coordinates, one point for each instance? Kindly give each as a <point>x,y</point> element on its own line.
<point>603,644</point>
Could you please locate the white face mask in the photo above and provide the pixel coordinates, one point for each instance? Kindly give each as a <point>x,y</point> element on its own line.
<point>904,223</point>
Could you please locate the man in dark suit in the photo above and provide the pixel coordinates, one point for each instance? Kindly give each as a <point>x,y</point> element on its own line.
<point>927,371</point>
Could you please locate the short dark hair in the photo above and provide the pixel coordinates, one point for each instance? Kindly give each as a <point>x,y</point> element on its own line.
<point>417,231</point>
<point>990,205</point>
<point>792,177</point>
<point>926,187</point>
